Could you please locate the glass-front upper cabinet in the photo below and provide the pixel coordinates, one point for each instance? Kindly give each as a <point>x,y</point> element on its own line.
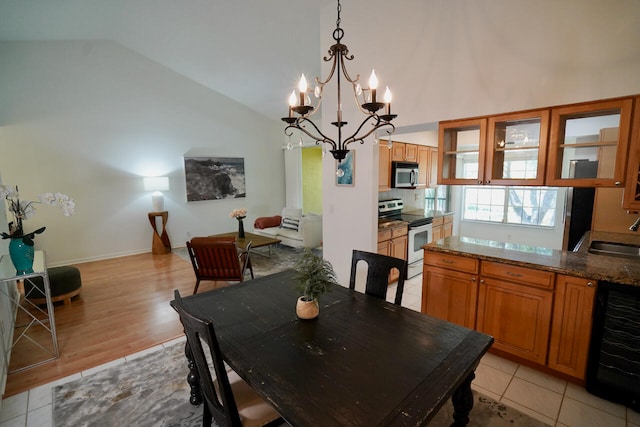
<point>461,151</point>
<point>588,144</point>
<point>632,186</point>
<point>517,148</point>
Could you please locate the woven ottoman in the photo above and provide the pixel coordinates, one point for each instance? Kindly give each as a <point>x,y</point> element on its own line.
<point>64,282</point>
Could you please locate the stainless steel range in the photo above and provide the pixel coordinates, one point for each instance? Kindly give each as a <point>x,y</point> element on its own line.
<point>419,230</point>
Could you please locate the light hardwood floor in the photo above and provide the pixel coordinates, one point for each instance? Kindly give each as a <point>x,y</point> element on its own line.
<point>123,308</point>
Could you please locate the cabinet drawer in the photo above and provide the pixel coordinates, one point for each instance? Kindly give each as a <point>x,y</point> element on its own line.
<point>399,231</point>
<point>439,220</point>
<point>447,219</point>
<point>468,265</point>
<point>521,275</point>
<point>384,235</point>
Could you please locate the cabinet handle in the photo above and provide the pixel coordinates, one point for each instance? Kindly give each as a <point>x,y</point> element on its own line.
<point>590,284</point>
<point>479,181</point>
<point>488,181</point>
<point>513,274</point>
<point>481,280</point>
<point>473,279</point>
<point>447,261</point>
<point>618,183</point>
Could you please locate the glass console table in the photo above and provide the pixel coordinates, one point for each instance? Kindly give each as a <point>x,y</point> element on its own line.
<point>34,329</point>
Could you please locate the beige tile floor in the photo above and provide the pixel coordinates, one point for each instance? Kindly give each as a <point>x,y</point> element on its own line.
<point>539,395</point>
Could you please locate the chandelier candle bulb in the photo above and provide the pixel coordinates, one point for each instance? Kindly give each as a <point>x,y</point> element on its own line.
<point>292,102</point>
<point>373,85</point>
<point>387,99</point>
<point>302,86</point>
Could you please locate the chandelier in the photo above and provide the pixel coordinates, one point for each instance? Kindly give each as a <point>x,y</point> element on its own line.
<point>301,107</point>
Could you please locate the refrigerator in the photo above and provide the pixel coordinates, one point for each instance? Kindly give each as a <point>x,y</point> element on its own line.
<point>579,209</point>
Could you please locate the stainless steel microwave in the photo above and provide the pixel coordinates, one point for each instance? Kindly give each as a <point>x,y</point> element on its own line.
<point>404,174</point>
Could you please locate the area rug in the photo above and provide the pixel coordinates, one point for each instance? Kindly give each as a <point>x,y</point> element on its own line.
<point>152,391</point>
<point>264,262</point>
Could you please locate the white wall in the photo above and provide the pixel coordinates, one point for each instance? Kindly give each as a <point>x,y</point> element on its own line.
<point>452,59</point>
<point>90,118</point>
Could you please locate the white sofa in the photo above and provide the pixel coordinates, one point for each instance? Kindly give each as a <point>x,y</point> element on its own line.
<point>307,234</point>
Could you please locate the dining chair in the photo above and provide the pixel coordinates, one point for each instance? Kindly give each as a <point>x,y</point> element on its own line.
<point>218,258</point>
<point>228,400</point>
<point>378,269</point>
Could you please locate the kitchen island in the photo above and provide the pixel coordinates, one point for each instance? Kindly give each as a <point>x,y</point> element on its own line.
<point>579,263</point>
<point>536,302</point>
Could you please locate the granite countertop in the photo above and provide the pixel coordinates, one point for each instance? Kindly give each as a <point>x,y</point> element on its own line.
<point>386,223</point>
<point>579,263</point>
<point>382,224</point>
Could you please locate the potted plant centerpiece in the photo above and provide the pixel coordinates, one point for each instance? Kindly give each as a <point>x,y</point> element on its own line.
<point>315,277</point>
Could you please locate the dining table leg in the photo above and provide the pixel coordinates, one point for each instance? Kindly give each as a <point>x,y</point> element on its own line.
<point>195,397</point>
<point>462,400</point>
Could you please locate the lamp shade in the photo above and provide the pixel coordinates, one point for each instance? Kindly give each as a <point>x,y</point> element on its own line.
<point>156,183</point>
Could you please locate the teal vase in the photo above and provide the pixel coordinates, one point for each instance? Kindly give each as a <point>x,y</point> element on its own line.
<point>22,256</point>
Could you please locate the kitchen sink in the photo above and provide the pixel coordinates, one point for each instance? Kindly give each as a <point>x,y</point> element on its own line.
<point>615,249</point>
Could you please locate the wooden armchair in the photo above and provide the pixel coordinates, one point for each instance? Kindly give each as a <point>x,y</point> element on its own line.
<point>218,258</point>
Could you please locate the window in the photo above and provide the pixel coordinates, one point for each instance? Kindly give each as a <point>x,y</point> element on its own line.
<point>437,198</point>
<point>535,206</point>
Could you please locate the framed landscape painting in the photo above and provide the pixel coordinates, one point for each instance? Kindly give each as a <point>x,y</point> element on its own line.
<point>345,170</point>
<point>214,178</point>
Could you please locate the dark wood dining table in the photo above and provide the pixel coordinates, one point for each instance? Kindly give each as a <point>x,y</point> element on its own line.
<point>361,362</point>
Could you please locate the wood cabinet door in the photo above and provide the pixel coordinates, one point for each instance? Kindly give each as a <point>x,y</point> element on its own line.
<point>632,185</point>
<point>432,179</point>
<point>397,152</point>
<point>571,325</point>
<point>384,168</point>
<point>437,232</point>
<point>411,152</point>
<point>461,144</point>
<point>424,165</point>
<point>517,316</point>
<point>450,295</point>
<point>399,247</point>
<point>610,143</point>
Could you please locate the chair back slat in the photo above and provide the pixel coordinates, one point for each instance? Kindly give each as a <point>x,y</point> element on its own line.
<point>378,269</point>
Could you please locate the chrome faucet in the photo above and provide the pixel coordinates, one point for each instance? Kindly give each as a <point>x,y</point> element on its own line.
<point>635,225</point>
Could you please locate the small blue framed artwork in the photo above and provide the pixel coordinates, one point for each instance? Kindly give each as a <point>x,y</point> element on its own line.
<point>345,170</point>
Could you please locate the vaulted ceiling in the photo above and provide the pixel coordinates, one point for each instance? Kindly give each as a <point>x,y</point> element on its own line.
<point>249,50</point>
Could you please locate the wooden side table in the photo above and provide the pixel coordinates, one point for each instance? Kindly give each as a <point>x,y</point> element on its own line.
<point>160,243</point>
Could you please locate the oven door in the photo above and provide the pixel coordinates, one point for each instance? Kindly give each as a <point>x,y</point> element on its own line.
<point>418,237</point>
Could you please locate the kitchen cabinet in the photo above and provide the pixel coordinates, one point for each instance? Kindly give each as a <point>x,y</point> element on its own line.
<point>571,325</point>
<point>425,156</point>
<point>461,151</point>
<point>516,148</point>
<point>632,184</point>
<point>432,173</point>
<point>541,147</point>
<point>506,149</point>
<point>403,152</point>
<point>393,241</point>
<point>514,306</point>
<point>384,167</point>
<point>424,165</point>
<point>442,227</point>
<point>450,288</point>
<point>597,131</point>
